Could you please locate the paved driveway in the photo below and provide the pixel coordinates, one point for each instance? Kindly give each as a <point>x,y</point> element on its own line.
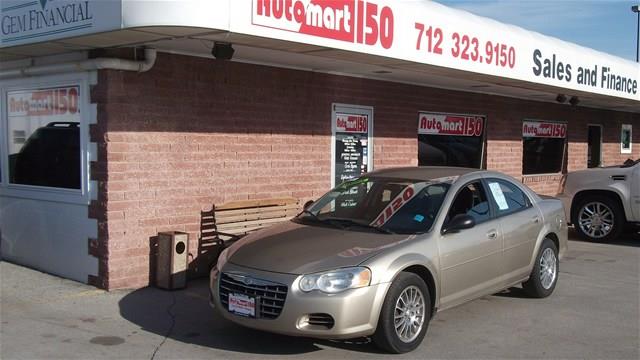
<point>594,313</point>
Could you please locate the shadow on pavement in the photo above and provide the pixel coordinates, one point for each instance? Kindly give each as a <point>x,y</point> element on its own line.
<point>185,316</point>
<point>630,237</point>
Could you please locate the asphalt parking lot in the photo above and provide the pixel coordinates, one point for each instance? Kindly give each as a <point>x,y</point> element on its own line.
<point>593,314</point>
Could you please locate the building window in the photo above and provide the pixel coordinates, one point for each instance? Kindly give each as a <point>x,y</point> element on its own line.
<point>43,137</point>
<point>543,147</point>
<point>625,139</point>
<point>450,140</point>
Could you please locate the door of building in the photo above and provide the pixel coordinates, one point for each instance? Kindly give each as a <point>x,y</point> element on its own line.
<point>352,142</point>
<point>594,146</point>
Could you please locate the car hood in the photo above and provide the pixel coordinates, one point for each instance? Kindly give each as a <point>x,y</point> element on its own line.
<point>295,248</point>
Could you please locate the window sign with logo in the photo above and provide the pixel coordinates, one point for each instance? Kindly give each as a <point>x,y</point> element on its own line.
<point>43,137</point>
<point>450,139</point>
<point>352,142</point>
<point>625,139</point>
<point>543,147</point>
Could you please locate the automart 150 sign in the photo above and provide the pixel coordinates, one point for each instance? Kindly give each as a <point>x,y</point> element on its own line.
<point>449,124</point>
<point>544,129</point>
<point>25,21</point>
<point>430,33</point>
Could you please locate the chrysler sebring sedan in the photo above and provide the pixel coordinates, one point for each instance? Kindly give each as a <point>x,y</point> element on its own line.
<point>379,255</point>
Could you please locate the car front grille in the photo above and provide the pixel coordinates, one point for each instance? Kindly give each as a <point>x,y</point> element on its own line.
<point>270,296</point>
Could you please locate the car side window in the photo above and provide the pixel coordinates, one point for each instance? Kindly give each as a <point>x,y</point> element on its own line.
<point>507,197</point>
<point>471,200</point>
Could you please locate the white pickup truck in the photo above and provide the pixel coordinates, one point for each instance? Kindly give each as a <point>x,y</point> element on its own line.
<point>600,202</point>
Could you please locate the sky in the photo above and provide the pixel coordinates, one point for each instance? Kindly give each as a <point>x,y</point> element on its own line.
<point>604,25</point>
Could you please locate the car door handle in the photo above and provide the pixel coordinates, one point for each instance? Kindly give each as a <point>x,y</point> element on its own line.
<point>492,234</point>
<point>535,219</point>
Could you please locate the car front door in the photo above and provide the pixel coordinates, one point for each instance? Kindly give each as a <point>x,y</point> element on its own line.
<point>471,259</point>
<point>521,224</point>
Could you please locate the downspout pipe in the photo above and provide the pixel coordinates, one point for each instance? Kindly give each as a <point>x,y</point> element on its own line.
<point>85,65</point>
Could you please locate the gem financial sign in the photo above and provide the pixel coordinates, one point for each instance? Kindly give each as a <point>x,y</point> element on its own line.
<point>28,21</point>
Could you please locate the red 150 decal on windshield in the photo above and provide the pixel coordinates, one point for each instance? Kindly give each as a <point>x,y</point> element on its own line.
<point>465,47</point>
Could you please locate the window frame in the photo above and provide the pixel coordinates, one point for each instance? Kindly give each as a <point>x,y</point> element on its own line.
<point>564,147</point>
<point>36,192</point>
<point>492,214</point>
<point>483,137</point>
<point>493,203</point>
<point>623,128</point>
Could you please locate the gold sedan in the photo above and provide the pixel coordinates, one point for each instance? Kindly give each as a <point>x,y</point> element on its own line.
<point>379,255</point>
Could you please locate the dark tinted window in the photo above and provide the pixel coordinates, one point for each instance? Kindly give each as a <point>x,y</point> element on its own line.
<point>507,197</point>
<point>49,157</point>
<point>471,200</point>
<point>542,155</point>
<point>447,150</point>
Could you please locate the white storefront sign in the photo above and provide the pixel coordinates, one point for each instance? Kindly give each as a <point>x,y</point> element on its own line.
<point>421,32</point>
<point>25,21</point>
<point>430,33</point>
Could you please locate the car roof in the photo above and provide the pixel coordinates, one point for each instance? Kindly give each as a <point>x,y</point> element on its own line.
<point>423,172</point>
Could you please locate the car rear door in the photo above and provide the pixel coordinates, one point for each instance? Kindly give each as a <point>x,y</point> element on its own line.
<point>521,223</point>
<point>471,259</point>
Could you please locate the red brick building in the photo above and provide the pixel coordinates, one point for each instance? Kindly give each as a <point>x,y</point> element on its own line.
<point>158,147</point>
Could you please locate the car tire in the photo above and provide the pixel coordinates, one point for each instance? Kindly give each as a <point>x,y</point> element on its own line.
<point>409,335</point>
<point>613,215</point>
<point>544,276</point>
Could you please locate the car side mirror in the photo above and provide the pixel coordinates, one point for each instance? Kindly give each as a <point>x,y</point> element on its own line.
<point>307,204</point>
<point>459,222</point>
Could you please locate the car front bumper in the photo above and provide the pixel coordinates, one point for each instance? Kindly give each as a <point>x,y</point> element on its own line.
<point>355,312</point>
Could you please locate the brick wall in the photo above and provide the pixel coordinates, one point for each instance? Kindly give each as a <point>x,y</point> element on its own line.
<point>193,132</point>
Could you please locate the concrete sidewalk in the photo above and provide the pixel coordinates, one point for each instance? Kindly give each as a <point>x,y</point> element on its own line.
<point>595,313</point>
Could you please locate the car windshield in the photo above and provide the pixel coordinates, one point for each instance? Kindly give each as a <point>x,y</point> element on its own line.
<point>382,204</point>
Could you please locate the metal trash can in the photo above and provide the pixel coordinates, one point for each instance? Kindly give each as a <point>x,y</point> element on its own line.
<point>172,260</point>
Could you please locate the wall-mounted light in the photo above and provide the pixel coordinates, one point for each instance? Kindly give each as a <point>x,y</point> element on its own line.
<point>222,50</point>
<point>561,98</point>
<point>574,101</point>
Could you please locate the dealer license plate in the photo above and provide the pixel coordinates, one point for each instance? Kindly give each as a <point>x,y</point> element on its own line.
<point>242,305</point>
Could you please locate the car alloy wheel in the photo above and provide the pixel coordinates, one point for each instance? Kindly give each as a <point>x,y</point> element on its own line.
<point>544,275</point>
<point>596,220</point>
<point>548,268</point>
<point>409,314</point>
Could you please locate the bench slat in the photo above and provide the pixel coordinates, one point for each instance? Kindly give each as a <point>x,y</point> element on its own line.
<point>221,214</point>
<point>257,216</point>
<point>241,204</point>
<point>245,224</point>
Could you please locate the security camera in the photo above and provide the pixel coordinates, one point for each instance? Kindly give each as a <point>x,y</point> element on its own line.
<point>222,50</point>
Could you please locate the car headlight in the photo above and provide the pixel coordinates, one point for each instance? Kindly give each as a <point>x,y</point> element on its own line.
<point>336,281</point>
<point>222,259</point>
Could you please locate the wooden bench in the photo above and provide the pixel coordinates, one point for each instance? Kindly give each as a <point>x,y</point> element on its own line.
<point>226,223</point>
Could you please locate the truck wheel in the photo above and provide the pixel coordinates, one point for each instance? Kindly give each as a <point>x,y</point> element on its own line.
<point>598,218</point>
<point>544,275</point>
<point>404,316</point>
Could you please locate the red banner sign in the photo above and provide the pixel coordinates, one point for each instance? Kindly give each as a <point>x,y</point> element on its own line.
<point>354,21</point>
<point>346,123</point>
<point>544,129</point>
<point>445,124</point>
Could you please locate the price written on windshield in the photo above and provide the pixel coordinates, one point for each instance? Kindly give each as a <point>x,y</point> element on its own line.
<point>464,47</point>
